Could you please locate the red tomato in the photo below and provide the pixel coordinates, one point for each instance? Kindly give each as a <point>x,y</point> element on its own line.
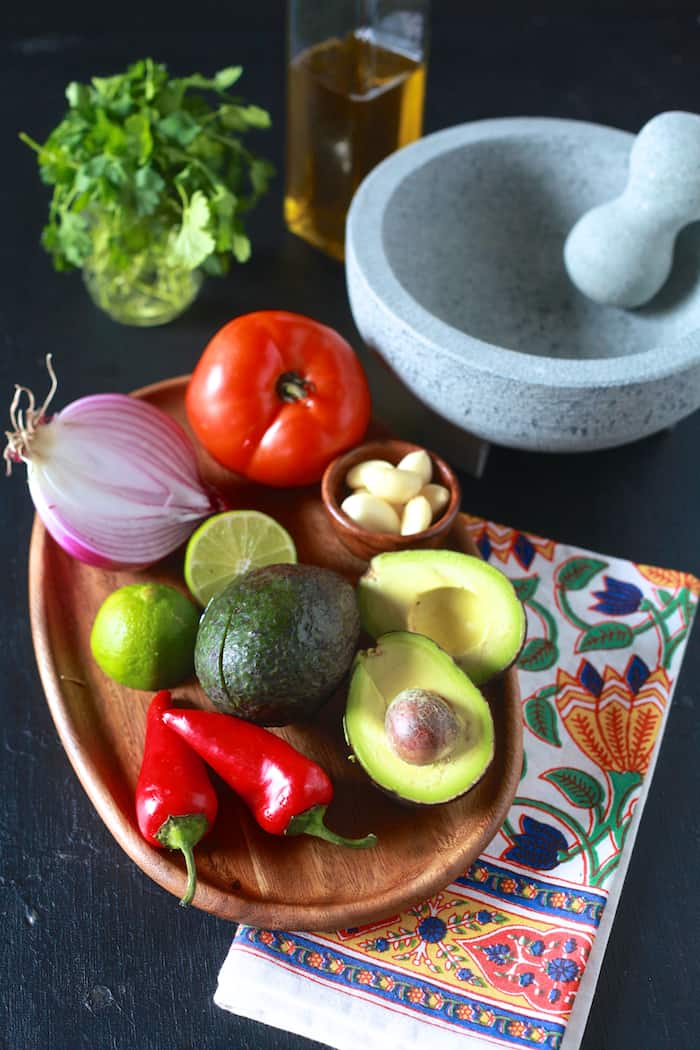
<point>275,396</point>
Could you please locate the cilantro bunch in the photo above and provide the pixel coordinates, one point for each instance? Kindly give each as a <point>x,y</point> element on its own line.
<point>144,161</point>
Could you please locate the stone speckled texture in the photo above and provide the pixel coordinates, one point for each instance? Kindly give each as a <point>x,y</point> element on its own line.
<point>621,252</point>
<point>456,276</point>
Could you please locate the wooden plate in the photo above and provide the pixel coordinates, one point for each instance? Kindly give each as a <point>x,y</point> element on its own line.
<point>245,874</point>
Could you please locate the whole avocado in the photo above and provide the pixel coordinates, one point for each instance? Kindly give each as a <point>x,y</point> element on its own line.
<point>277,642</point>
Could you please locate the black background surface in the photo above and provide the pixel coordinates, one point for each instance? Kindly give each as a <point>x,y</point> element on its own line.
<point>93,954</point>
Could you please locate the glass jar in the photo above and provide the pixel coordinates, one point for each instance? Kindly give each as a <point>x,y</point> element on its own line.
<point>146,288</point>
<point>356,73</point>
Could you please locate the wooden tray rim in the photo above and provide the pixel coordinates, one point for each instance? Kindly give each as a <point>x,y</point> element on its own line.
<point>160,867</point>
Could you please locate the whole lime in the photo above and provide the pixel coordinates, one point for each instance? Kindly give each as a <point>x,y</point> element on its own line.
<point>144,636</point>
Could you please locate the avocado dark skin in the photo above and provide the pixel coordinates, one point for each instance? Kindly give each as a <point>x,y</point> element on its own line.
<point>277,642</point>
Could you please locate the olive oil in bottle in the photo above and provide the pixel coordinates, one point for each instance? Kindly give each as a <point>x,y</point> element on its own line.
<point>350,102</point>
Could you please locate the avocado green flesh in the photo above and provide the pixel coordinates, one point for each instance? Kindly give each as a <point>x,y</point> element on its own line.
<point>277,642</point>
<point>464,604</point>
<point>399,661</point>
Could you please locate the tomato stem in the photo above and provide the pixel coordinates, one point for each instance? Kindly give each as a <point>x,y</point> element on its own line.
<point>293,387</point>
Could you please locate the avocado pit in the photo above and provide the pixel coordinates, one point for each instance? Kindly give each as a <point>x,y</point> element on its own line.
<point>421,727</point>
<point>416,723</point>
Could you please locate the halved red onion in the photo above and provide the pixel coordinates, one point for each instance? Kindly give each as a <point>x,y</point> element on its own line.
<point>114,480</point>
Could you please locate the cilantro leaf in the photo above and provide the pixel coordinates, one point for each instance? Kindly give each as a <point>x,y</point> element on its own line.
<point>226,77</point>
<point>240,118</point>
<point>78,95</point>
<point>194,242</point>
<point>216,265</point>
<point>73,238</point>
<point>260,173</point>
<point>104,167</point>
<point>180,126</point>
<point>107,135</point>
<point>148,169</point>
<point>139,137</point>
<point>241,247</point>
<point>222,80</point>
<point>148,185</point>
<point>255,117</point>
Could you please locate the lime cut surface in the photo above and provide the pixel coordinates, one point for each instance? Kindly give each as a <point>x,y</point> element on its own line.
<point>230,544</point>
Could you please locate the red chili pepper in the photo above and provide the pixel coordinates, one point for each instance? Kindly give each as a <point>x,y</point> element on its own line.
<point>175,802</point>
<point>286,792</point>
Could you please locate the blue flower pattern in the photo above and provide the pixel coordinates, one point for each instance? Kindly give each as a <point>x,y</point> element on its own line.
<point>497,953</point>
<point>523,551</point>
<point>431,929</point>
<point>618,599</point>
<point>590,679</point>
<point>484,545</point>
<point>561,969</point>
<point>636,673</point>
<point>537,846</point>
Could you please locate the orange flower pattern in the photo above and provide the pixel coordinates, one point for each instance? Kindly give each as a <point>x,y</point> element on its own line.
<point>503,543</point>
<point>614,725</point>
<point>670,578</point>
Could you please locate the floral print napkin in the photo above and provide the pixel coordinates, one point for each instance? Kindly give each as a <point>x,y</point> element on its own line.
<point>508,955</point>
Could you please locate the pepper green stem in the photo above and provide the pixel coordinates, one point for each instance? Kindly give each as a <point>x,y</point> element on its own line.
<point>184,833</point>
<point>310,822</point>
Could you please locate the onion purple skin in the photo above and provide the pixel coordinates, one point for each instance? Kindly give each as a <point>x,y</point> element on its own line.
<point>73,546</point>
<point>151,433</point>
<point>79,550</point>
<point>77,408</point>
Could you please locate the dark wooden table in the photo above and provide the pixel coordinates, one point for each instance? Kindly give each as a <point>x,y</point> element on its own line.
<point>93,953</point>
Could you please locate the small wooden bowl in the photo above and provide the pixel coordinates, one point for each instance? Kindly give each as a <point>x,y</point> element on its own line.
<point>363,542</point>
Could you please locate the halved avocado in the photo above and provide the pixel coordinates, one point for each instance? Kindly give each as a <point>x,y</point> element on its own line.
<point>464,604</point>
<point>403,662</point>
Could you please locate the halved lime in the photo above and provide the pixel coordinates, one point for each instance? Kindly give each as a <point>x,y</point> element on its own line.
<point>229,544</point>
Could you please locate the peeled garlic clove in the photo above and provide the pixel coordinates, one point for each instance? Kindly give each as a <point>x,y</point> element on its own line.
<point>371,513</point>
<point>437,496</point>
<point>392,484</point>
<point>396,507</point>
<point>419,463</point>
<point>355,476</point>
<point>417,516</point>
